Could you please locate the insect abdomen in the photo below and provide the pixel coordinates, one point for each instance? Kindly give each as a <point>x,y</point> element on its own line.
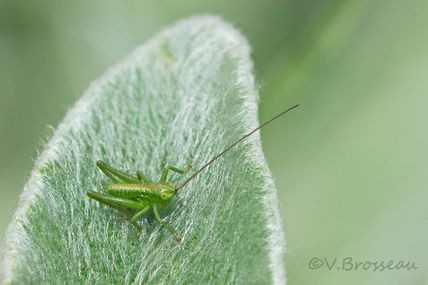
<point>130,191</point>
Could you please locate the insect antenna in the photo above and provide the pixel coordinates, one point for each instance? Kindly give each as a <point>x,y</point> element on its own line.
<point>231,146</point>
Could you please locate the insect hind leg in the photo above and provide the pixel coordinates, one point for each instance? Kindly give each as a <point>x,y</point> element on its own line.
<point>116,175</point>
<point>102,199</point>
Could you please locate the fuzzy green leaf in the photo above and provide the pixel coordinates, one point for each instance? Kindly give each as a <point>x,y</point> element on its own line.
<point>184,96</point>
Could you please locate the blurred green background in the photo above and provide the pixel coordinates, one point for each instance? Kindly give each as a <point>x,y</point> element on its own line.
<point>350,165</point>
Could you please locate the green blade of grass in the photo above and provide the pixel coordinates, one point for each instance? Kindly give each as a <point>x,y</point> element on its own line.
<point>184,96</point>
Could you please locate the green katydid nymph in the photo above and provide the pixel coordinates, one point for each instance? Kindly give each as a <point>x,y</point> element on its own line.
<point>135,196</point>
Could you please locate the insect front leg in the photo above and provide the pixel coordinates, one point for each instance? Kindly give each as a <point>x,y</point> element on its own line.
<point>175,169</point>
<point>163,223</point>
<point>116,175</point>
